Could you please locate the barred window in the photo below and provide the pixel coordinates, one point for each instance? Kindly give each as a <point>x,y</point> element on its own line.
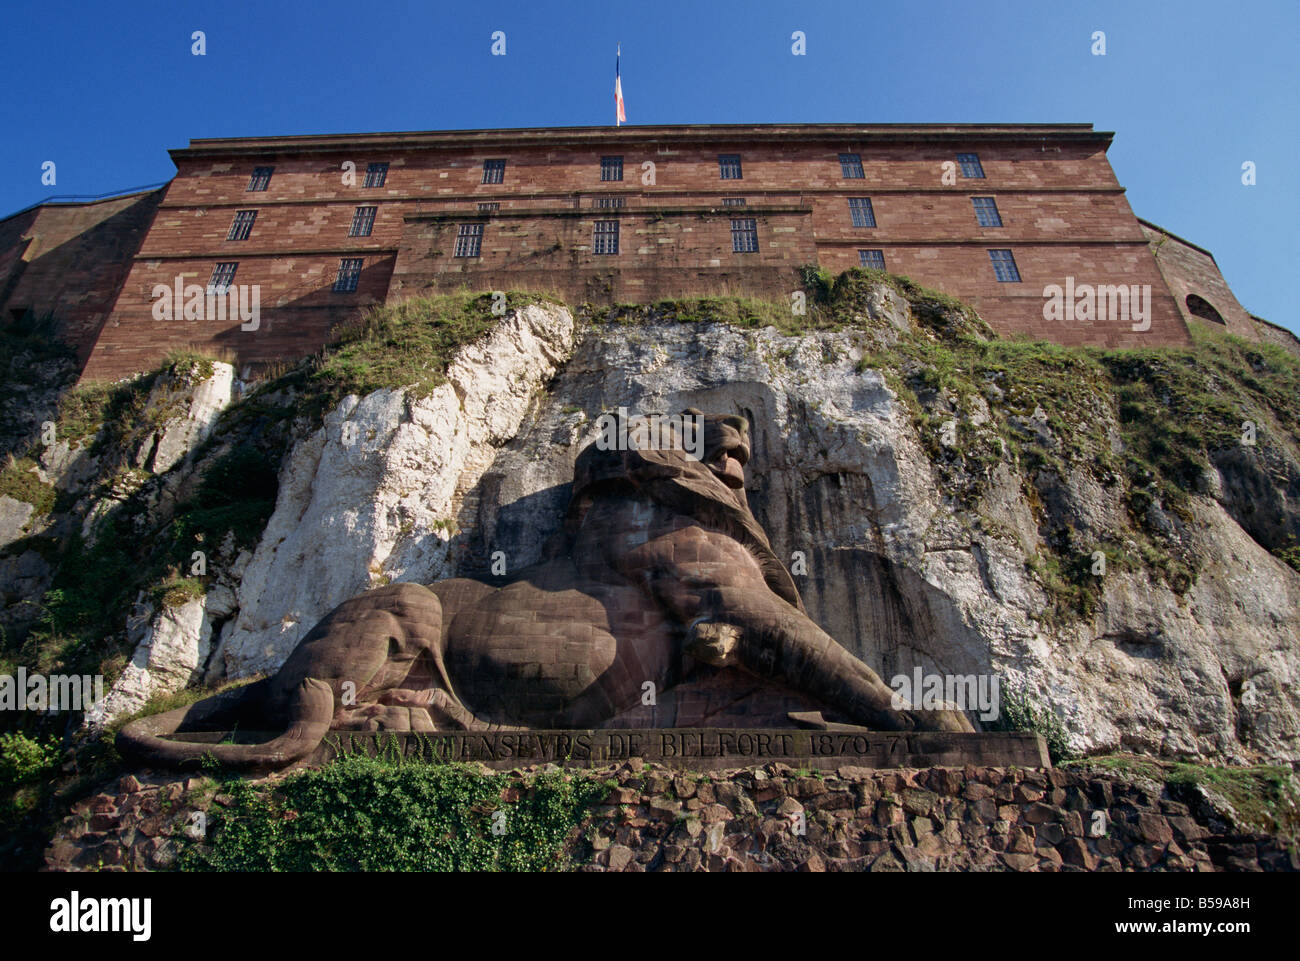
<point>729,166</point>
<point>986,212</point>
<point>261,178</point>
<point>605,238</point>
<point>970,166</point>
<point>733,201</point>
<point>376,174</point>
<point>611,168</point>
<point>242,225</point>
<point>469,240</point>
<point>489,207</point>
<point>609,202</point>
<point>363,221</point>
<point>875,259</point>
<point>851,166</point>
<point>744,236</point>
<point>349,275</point>
<point>1004,266</point>
<point>494,171</point>
<point>861,213</point>
<point>223,275</point>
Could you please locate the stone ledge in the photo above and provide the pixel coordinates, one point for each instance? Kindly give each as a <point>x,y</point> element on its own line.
<point>697,749</point>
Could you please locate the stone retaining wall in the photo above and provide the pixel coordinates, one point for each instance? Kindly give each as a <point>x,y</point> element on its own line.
<point>778,819</point>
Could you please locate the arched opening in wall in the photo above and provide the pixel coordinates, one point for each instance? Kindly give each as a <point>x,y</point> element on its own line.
<point>1202,308</point>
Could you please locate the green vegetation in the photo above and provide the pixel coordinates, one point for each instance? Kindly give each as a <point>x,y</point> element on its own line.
<point>19,480</point>
<point>24,759</point>
<point>408,344</point>
<point>1265,797</point>
<point>1018,711</point>
<point>83,621</point>
<point>372,814</point>
<point>27,766</point>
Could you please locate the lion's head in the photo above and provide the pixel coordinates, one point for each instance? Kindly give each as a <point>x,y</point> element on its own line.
<point>693,463</point>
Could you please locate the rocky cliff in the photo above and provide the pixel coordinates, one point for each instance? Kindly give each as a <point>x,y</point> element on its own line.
<point>1113,534</point>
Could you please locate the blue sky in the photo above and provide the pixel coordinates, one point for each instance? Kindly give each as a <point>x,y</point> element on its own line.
<point>1192,88</point>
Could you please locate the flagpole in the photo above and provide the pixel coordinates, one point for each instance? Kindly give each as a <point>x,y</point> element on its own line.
<point>618,54</point>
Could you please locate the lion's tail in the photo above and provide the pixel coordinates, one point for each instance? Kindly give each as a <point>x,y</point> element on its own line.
<point>311,709</point>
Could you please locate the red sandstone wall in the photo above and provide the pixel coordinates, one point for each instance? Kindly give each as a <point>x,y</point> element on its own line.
<point>69,260</point>
<point>1188,270</point>
<point>1063,215</point>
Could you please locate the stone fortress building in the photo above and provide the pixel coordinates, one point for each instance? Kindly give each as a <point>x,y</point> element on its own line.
<point>326,226</point>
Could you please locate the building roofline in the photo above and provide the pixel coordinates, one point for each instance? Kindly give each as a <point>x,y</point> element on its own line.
<point>86,200</point>
<point>1268,323</point>
<point>1182,240</point>
<point>881,133</point>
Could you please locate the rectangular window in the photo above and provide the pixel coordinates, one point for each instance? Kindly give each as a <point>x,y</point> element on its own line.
<point>490,207</point>
<point>611,168</point>
<point>861,213</point>
<point>469,239</point>
<point>970,166</point>
<point>733,201</point>
<point>875,259</point>
<point>605,238</point>
<point>1004,266</point>
<point>609,202</point>
<point>261,178</point>
<point>223,275</point>
<point>851,166</point>
<point>363,221</point>
<point>744,236</point>
<point>376,174</point>
<point>494,171</point>
<point>729,166</point>
<point>986,212</point>
<point>349,275</point>
<point>242,225</point>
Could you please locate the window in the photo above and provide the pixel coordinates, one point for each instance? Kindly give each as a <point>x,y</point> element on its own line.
<point>1004,266</point>
<point>469,238</point>
<point>875,259</point>
<point>1202,308</point>
<point>349,275</point>
<point>608,202</point>
<point>611,168</point>
<point>362,222</point>
<point>242,225</point>
<point>861,213</point>
<point>729,166</point>
<point>744,236</point>
<point>970,166</point>
<point>494,171</point>
<point>733,201</point>
<point>986,212</point>
<point>376,174</point>
<point>261,178</point>
<point>222,277</point>
<point>851,166</point>
<point>605,238</point>
<point>490,207</point>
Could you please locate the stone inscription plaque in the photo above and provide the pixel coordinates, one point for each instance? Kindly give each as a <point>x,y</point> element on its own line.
<point>698,748</point>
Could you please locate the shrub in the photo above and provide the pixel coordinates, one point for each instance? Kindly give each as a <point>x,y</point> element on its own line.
<point>24,759</point>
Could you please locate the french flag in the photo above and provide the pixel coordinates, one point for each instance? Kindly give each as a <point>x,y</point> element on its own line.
<point>620,113</point>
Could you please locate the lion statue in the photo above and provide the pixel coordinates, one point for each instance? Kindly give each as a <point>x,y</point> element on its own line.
<point>660,566</point>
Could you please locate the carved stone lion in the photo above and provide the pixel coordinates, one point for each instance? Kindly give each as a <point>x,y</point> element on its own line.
<point>660,567</point>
